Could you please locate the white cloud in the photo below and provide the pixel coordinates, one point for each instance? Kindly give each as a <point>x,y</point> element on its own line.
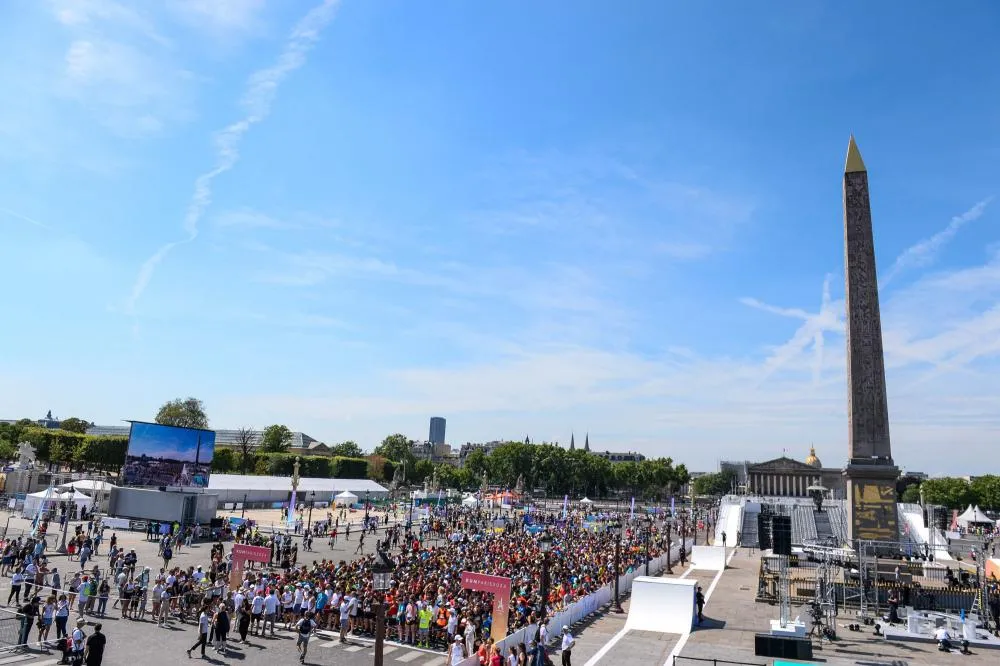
<point>257,100</point>
<point>925,252</point>
<point>219,15</point>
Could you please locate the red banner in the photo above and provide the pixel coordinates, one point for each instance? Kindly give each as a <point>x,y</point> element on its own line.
<point>499,587</point>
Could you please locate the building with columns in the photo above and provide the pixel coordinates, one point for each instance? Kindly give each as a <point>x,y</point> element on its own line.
<point>786,477</point>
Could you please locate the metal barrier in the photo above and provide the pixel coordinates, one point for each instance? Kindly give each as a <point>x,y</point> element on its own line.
<point>702,660</point>
<point>10,628</point>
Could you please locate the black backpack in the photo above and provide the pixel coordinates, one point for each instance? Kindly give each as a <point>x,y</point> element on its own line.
<point>306,628</point>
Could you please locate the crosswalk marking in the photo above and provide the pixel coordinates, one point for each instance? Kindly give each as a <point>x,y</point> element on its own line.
<point>409,656</point>
<point>354,648</point>
<point>386,649</point>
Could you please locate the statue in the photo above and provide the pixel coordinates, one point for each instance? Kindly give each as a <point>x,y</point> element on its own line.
<point>520,484</point>
<point>435,482</point>
<point>427,484</point>
<point>25,455</point>
<point>397,478</point>
<point>484,486</point>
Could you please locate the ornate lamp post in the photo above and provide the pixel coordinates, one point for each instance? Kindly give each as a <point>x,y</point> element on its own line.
<point>545,545</point>
<point>312,501</point>
<point>615,528</point>
<point>381,575</point>
<point>670,566</point>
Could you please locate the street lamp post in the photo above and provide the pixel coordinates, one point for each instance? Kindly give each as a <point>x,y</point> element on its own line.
<point>243,509</point>
<point>616,531</point>
<point>312,501</point>
<point>545,545</point>
<point>380,576</point>
<point>368,495</point>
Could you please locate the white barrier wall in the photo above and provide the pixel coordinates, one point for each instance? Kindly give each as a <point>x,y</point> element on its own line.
<point>712,558</point>
<point>661,604</point>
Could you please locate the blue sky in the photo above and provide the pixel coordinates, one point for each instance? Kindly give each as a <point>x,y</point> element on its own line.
<point>530,218</point>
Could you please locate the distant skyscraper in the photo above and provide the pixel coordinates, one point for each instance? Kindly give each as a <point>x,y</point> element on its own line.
<point>437,430</point>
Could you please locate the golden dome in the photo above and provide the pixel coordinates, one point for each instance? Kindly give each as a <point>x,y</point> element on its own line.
<point>812,460</point>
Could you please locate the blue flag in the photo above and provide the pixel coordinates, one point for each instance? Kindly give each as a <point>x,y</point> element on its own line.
<point>631,512</point>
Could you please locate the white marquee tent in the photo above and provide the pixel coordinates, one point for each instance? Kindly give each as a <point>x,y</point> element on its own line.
<point>470,501</point>
<point>88,486</point>
<point>346,497</point>
<point>34,501</point>
<point>973,515</point>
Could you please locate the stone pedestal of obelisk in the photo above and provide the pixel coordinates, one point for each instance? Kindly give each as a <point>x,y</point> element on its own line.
<point>870,473</point>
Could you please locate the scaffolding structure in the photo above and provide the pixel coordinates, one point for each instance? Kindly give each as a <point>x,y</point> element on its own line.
<point>825,604</point>
<point>980,605</point>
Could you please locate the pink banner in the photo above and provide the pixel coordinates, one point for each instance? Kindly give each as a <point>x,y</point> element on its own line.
<point>499,587</point>
<point>245,553</point>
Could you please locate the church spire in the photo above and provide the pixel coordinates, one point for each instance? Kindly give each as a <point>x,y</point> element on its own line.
<point>572,443</point>
<point>586,443</point>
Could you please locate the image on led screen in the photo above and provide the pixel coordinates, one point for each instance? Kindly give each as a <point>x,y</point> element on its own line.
<point>162,455</point>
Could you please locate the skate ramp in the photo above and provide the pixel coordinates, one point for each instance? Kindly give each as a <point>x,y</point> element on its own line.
<point>711,558</point>
<point>661,604</point>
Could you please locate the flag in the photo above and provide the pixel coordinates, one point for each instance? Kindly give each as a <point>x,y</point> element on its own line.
<point>439,497</point>
<point>671,505</point>
<point>291,509</point>
<point>565,502</point>
<point>631,512</point>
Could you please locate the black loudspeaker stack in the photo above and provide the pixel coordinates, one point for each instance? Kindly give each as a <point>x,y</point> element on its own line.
<point>783,647</point>
<point>764,530</point>
<point>781,535</point>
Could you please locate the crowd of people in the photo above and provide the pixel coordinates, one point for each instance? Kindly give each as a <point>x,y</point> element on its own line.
<point>425,604</point>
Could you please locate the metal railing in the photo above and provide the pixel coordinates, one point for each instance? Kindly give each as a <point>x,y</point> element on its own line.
<point>703,660</point>
<point>10,628</point>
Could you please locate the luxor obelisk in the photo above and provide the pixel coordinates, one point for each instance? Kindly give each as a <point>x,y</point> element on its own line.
<point>870,473</point>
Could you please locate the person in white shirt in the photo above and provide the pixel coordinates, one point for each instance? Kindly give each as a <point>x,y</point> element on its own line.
<point>204,622</point>
<point>456,651</point>
<point>943,638</point>
<point>198,575</point>
<point>256,612</point>
<point>567,645</point>
<point>270,612</point>
<point>78,638</point>
<point>345,619</point>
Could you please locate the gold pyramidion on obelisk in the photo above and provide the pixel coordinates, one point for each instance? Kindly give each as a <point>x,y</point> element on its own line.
<point>870,472</point>
<point>854,161</point>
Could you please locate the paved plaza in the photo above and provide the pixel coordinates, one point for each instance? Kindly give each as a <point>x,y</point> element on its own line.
<point>732,617</point>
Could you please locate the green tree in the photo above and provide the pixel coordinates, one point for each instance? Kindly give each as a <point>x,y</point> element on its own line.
<point>911,494</point>
<point>74,424</point>
<point>397,448</point>
<point>422,470</point>
<point>275,439</point>
<point>718,483</point>
<point>184,413</point>
<point>224,460</point>
<point>347,449</point>
<point>986,491</point>
<point>951,492</point>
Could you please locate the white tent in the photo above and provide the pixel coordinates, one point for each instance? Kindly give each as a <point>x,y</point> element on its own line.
<point>586,501</point>
<point>973,515</point>
<point>88,486</point>
<point>34,501</point>
<point>345,497</point>
<point>470,501</point>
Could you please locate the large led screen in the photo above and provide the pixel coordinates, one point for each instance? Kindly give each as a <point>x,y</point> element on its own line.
<point>161,455</point>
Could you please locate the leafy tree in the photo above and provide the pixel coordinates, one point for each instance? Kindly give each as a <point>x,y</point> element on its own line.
<point>948,491</point>
<point>347,449</point>
<point>74,424</point>
<point>423,469</point>
<point>184,413</point>
<point>275,439</point>
<point>718,483</point>
<point>7,450</point>
<point>986,490</point>
<point>911,494</point>
<point>397,448</point>
<point>224,460</point>
<point>247,441</point>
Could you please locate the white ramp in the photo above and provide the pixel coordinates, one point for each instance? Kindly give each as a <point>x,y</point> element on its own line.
<point>661,604</point>
<point>712,558</point>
